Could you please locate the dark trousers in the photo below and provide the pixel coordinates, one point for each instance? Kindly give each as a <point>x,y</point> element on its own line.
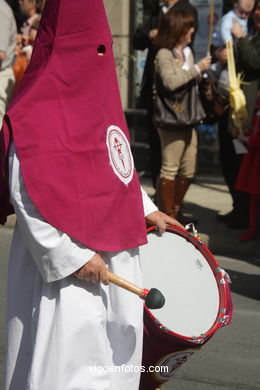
<point>155,147</point>
<point>230,163</point>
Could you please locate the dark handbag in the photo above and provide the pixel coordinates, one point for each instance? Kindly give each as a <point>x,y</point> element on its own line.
<point>214,104</point>
<point>179,109</point>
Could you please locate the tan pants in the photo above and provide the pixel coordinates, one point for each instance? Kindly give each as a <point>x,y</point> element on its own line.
<point>179,153</point>
<point>6,89</point>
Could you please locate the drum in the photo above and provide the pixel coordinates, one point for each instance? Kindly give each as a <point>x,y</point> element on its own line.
<point>198,301</point>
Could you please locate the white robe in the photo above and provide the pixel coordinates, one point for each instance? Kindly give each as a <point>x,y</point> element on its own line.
<point>63,333</point>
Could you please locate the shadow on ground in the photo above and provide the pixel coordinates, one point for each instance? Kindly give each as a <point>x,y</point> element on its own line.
<point>222,240</point>
<point>245,284</point>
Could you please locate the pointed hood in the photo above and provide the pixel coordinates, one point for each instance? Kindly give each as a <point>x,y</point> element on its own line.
<point>70,133</point>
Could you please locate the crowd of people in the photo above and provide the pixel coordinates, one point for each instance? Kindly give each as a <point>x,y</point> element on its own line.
<point>173,149</point>
<point>19,21</point>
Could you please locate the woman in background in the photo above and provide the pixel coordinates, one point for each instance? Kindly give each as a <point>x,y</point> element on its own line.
<point>175,67</point>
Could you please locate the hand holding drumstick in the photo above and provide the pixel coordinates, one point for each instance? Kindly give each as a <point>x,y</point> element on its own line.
<point>96,271</point>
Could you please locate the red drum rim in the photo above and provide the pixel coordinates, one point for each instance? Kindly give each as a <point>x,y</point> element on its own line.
<point>225,310</point>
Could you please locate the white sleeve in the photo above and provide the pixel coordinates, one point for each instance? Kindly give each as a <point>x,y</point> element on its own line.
<point>54,252</point>
<point>149,206</point>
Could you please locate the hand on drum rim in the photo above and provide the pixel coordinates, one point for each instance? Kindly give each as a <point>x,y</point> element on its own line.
<point>161,220</point>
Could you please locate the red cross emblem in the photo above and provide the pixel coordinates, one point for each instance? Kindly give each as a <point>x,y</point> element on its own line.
<point>120,156</point>
<point>118,148</point>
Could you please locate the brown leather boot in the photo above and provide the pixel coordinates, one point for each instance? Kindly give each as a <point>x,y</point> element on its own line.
<point>165,193</point>
<point>182,185</point>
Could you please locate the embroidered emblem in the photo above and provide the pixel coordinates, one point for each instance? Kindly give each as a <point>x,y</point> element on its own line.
<point>120,156</point>
<point>169,363</point>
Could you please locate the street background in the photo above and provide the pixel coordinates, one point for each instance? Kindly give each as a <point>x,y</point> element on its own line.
<point>231,359</point>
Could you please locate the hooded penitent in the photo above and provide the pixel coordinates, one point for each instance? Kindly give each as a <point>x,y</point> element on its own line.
<point>70,133</point>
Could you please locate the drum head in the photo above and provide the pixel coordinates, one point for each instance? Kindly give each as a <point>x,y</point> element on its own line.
<point>178,269</point>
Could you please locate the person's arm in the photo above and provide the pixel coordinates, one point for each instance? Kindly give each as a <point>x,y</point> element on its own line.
<point>149,206</point>
<point>55,253</point>
<point>249,54</point>
<point>141,40</point>
<point>4,38</point>
<point>143,36</point>
<point>171,72</point>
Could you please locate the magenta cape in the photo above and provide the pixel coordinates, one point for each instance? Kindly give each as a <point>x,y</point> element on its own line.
<point>70,133</point>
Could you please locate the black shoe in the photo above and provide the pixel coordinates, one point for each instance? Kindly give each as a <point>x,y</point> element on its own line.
<point>224,217</point>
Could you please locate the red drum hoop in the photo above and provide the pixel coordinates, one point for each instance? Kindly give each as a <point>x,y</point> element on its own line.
<point>165,346</point>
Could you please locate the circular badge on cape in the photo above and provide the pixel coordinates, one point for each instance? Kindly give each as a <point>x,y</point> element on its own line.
<point>167,364</point>
<point>120,155</point>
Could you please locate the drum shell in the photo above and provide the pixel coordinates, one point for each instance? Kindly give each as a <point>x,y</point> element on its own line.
<point>157,344</point>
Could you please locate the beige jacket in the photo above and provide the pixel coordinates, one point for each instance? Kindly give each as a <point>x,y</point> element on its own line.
<point>171,72</point>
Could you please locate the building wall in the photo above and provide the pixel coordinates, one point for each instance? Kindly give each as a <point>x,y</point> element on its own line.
<point>118,12</point>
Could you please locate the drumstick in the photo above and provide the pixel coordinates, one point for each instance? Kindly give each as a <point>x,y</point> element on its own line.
<point>153,298</point>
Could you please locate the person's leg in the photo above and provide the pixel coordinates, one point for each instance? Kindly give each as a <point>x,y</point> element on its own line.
<point>240,199</point>
<point>173,146</point>
<point>155,148</point>
<point>226,153</point>
<point>187,169</point>
<point>230,163</point>
<point>22,274</point>
<point>165,195</point>
<point>125,321</point>
<point>254,208</point>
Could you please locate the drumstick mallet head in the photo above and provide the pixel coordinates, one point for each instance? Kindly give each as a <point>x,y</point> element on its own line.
<point>153,298</point>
